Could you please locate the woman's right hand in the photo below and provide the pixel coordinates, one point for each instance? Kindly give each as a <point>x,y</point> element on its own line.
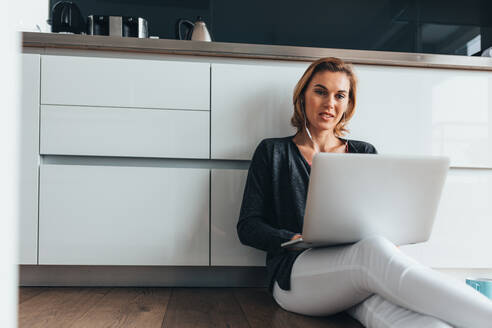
<point>296,236</point>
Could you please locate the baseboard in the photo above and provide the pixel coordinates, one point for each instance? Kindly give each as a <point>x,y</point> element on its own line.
<point>164,276</point>
<point>141,276</point>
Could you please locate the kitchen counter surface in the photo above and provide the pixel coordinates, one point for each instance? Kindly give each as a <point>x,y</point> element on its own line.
<point>252,51</point>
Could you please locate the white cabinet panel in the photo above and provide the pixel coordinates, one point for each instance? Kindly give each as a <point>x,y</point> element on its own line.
<point>400,110</point>
<point>461,234</point>
<point>227,195</point>
<point>107,215</point>
<point>250,103</point>
<point>70,130</point>
<point>29,160</point>
<point>68,80</point>
<point>426,111</point>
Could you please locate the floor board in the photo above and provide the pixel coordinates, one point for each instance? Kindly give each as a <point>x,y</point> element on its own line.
<point>204,307</point>
<point>262,311</point>
<point>26,293</point>
<point>161,307</point>
<point>127,307</point>
<point>58,307</point>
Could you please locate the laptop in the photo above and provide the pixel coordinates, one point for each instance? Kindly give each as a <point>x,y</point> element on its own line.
<point>354,196</point>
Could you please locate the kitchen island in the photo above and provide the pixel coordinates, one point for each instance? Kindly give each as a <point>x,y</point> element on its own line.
<point>135,152</point>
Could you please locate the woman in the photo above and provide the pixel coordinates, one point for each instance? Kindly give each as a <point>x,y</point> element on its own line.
<point>379,285</point>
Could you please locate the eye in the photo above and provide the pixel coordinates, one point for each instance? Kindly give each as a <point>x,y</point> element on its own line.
<point>340,96</point>
<point>320,92</point>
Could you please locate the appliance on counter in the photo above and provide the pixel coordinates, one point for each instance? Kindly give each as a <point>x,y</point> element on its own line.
<point>196,31</point>
<point>117,26</point>
<point>66,18</point>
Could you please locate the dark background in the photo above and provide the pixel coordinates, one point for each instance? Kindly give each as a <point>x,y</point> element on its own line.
<point>432,26</point>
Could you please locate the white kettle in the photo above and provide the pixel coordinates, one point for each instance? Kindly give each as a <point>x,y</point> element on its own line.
<point>196,32</point>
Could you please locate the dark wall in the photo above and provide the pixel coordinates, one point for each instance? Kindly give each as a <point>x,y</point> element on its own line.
<point>431,26</point>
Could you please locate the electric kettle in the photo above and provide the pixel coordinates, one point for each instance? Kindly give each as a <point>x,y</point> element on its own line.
<point>66,18</point>
<point>196,31</point>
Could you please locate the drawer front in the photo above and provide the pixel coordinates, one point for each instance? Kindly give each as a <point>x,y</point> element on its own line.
<point>227,194</point>
<point>70,130</point>
<point>114,82</point>
<point>106,215</point>
<point>250,103</point>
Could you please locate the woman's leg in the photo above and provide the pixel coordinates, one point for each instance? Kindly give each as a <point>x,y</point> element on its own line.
<point>328,280</point>
<point>376,312</point>
<point>320,284</point>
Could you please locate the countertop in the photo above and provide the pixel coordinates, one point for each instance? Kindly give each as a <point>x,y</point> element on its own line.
<point>252,51</point>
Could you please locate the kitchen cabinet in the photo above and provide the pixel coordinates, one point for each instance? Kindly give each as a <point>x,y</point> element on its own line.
<point>116,215</point>
<point>226,196</point>
<point>119,82</point>
<point>210,114</point>
<point>29,160</point>
<point>416,111</point>
<point>250,103</point>
<point>132,132</point>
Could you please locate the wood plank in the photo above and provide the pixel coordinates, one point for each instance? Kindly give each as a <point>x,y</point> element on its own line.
<point>162,307</point>
<point>261,310</point>
<point>58,307</point>
<point>128,307</point>
<point>26,293</point>
<point>204,307</point>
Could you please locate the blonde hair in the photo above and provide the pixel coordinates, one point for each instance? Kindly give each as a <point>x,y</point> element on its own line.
<point>330,64</point>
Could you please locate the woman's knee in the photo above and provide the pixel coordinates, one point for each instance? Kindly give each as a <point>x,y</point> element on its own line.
<point>376,242</point>
<point>378,246</point>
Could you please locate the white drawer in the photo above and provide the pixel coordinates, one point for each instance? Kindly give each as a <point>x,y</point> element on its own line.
<point>115,82</point>
<point>107,215</point>
<point>71,130</point>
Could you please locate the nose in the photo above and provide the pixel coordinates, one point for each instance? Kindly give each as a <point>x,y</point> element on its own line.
<point>330,101</point>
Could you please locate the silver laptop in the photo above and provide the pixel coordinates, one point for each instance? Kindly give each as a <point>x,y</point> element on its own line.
<point>354,196</point>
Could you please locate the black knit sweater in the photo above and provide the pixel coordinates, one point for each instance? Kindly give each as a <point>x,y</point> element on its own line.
<point>274,200</point>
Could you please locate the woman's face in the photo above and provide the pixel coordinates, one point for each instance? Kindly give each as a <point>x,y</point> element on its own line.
<point>326,99</point>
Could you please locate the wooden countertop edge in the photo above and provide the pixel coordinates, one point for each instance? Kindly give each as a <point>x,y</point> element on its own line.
<point>250,51</point>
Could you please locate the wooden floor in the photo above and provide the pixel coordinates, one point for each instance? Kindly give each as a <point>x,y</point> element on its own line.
<point>161,307</point>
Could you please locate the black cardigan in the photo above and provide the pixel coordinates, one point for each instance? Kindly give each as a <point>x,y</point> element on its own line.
<point>274,200</point>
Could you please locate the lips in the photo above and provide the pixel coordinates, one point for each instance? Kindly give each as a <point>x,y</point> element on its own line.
<point>326,115</point>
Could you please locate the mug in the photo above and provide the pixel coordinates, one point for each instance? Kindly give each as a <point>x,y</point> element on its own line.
<point>483,285</point>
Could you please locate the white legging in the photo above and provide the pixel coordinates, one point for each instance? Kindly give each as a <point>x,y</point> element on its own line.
<point>381,287</point>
